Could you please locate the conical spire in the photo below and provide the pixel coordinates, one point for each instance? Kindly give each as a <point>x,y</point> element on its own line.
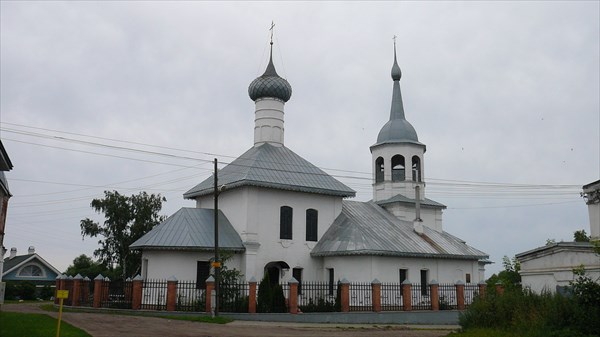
<point>397,129</point>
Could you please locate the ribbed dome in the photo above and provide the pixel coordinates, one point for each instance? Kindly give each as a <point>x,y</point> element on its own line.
<point>270,84</point>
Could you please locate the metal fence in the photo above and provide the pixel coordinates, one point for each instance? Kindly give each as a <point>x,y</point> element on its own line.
<point>471,291</point>
<point>233,297</point>
<point>190,297</point>
<point>86,294</point>
<point>420,297</point>
<point>116,294</point>
<point>447,296</point>
<point>391,297</point>
<point>360,297</point>
<point>154,295</point>
<point>318,297</point>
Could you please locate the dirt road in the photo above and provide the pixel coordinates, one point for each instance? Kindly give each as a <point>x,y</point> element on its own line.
<point>111,325</point>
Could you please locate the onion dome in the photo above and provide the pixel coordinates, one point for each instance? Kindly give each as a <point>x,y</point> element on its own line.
<point>397,129</point>
<point>270,84</point>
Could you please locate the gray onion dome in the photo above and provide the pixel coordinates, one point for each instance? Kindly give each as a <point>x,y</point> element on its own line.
<point>270,84</point>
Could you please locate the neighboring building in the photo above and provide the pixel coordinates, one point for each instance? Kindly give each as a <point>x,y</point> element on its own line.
<point>30,267</point>
<point>551,266</point>
<point>280,214</point>
<point>5,165</point>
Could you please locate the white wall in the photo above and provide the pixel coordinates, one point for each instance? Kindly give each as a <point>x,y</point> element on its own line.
<point>387,269</point>
<point>162,264</point>
<point>388,189</point>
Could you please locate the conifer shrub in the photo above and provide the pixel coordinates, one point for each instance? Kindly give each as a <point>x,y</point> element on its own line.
<point>264,296</point>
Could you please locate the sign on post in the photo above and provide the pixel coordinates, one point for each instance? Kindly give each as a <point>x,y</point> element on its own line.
<point>61,295</point>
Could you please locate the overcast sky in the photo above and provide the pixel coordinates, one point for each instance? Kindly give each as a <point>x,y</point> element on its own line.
<point>504,94</point>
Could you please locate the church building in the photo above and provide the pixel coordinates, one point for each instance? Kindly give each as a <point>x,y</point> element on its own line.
<point>280,214</point>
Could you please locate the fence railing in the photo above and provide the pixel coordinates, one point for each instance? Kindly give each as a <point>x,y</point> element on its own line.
<point>174,295</point>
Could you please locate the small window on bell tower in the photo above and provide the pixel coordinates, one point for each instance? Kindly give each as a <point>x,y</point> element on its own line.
<point>398,168</point>
<point>416,168</point>
<point>379,170</point>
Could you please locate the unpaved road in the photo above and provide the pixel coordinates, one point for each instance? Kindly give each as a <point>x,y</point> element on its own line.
<point>112,325</point>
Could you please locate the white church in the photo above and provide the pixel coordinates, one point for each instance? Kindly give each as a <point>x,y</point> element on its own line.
<point>279,214</point>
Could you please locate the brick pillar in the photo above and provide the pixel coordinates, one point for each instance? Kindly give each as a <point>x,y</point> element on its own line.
<point>345,295</point>
<point>252,297</point>
<point>210,286</point>
<point>137,292</point>
<point>105,289</point>
<point>293,296</point>
<point>98,290</point>
<point>499,288</point>
<point>435,295</point>
<point>171,293</point>
<point>460,295</point>
<point>406,295</point>
<point>376,295</point>
<point>85,291</point>
<point>76,290</point>
<point>482,287</point>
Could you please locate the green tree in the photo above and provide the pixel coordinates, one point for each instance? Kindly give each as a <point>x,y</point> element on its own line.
<point>126,220</point>
<point>581,236</point>
<point>510,276</point>
<point>87,267</point>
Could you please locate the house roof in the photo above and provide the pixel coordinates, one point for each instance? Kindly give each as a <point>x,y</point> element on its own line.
<point>5,163</point>
<point>275,167</point>
<point>402,199</point>
<point>556,246</point>
<point>364,228</point>
<point>191,229</point>
<point>18,261</point>
<point>4,184</point>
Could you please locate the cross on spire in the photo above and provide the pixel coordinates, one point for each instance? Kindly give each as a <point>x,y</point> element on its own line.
<point>271,29</point>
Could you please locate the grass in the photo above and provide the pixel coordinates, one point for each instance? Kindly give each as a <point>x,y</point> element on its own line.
<point>13,324</point>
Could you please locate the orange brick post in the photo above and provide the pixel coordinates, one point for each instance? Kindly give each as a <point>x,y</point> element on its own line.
<point>105,289</point>
<point>376,295</point>
<point>98,290</point>
<point>137,292</point>
<point>210,287</point>
<point>499,288</point>
<point>406,295</point>
<point>482,287</point>
<point>252,296</point>
<point>69,287</point>
<point>345,295</point>
<point>435,295</point>
<point>57,288</point>
<point>460,295</point>
<point>293,296</point>
<point>76,290</point>
<point>171,293</point>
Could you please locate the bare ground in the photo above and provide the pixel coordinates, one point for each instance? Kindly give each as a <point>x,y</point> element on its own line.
<point>113,325</point>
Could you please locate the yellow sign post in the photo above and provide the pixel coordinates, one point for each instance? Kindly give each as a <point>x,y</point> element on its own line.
<point>61,295</point>
<point>216,264</point>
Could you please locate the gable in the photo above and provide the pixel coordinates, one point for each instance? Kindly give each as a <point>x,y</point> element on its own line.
<point>29,267</point>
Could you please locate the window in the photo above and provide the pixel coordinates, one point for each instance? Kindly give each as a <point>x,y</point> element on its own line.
<point>379,170</point>
<point>297,274</point>
<point>468,278</point>
<point>145,269</point>
<point>416,168</point>
<point>31,271</point>
<point>202,273</point>
<point>398,168</point>
<point>312,217</point>
<point>403,275</point>
<point>424,283</point>
<point>285,223</point>
<point>331,275</point>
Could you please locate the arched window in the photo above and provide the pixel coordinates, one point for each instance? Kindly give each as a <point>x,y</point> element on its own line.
<point>312,219</point>
<point>378,170</point>
<point>285,223</point>
<point>31,271</point>
<point>398,168</point>
<point>416,168</point>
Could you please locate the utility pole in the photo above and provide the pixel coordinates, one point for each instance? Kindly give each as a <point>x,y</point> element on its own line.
<point>217,262</point>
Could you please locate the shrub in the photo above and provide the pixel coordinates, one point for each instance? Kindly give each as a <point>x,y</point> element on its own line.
<point>264,296</point>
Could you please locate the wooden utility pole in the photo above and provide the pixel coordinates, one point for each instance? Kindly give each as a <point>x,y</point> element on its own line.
<point>217,262</point>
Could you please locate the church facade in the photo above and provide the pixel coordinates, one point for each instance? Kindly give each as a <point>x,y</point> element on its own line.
<point>279,214</point>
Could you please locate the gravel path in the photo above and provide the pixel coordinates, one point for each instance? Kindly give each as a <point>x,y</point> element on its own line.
<point>112,325</point>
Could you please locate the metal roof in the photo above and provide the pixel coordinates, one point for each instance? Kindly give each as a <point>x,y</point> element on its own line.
<point>191,229</point>
<point>11,265</point>
<point>364,228</point>
<point>276,167</point>
<point>270,84</point>
<point>571,245</point>
<point>427,203</point>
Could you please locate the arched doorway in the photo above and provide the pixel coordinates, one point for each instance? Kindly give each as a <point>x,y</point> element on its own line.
<point>274,269</point>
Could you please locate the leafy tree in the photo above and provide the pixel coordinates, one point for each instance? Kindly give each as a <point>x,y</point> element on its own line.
<point>87,267</point>
<point>126,220</point>
<point>581,236</point>
<point>510,276</point>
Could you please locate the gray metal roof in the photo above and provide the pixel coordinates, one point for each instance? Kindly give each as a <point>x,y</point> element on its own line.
<point>364,228</point>
<point>571,245</point>
<point>191,229</point>
<point>5,163</point>
<point>426,203</point>
<point>273,167</point>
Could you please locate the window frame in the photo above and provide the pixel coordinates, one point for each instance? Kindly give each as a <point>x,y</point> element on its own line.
<point>286,216</point>
<point>312,225</point>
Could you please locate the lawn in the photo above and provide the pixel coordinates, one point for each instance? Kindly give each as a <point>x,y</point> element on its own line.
<point>13,324</point>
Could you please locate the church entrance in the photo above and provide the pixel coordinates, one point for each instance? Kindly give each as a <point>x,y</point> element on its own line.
<point>274,269</point>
